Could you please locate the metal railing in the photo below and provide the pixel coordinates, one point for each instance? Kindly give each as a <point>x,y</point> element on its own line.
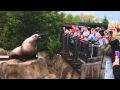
<point>81,49</point>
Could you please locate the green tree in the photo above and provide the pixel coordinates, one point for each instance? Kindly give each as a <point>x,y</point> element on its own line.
<point>76,19</point>
<point>15,26</point>
<point>105,21</point>
<point>87,18</point>
<point>69,18</point>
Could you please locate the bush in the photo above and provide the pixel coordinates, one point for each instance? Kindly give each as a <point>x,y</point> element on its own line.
<point>16,26</point>
<point>53,46</point>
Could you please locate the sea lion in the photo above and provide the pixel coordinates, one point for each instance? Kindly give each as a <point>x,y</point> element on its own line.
<point>15,53</point>
<point>27,50</point>
<point>29,47</point>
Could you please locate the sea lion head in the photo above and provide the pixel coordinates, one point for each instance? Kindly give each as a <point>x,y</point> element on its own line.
<point>36,36</point>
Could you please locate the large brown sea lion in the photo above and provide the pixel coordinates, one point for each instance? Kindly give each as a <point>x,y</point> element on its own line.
<point>27,50</point>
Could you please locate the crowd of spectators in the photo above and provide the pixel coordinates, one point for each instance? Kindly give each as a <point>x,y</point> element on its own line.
<point>107,39</point>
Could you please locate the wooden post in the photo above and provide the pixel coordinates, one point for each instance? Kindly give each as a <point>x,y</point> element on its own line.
<point>91,71</point>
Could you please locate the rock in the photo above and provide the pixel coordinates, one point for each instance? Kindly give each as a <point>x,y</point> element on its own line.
<point>3,51</point>
<point>91,71</point>
<point>68,76</point>
<point>50,76</point>
<point>41,68</point>
<point>61,69</point>
<point>42,55</point>
<point>14,69</point>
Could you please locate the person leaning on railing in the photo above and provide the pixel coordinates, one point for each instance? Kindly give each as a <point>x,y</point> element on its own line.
<point>106,49</point>
<point>104,45</point>
<point>111,47</point>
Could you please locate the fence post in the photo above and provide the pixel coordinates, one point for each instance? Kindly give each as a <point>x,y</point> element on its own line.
<point>76,48</point>
<point>63,44</point>
<point>92,50</point>
<point>67,46</point>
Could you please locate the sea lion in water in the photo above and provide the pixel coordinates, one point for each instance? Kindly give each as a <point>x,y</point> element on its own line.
<point>27,50</point>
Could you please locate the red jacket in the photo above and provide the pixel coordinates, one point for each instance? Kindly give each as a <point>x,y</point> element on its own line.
<point>73,30</point>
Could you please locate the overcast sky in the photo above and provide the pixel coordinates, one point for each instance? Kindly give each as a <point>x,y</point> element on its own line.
<point>111,15</point>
